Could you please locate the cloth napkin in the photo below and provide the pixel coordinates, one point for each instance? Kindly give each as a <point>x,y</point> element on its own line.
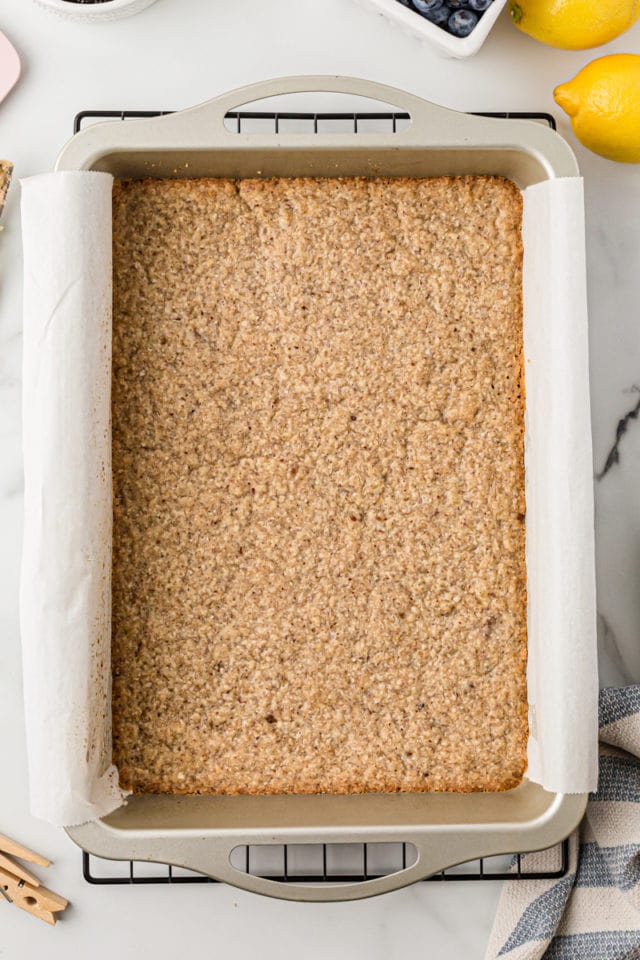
<point>592,913</point>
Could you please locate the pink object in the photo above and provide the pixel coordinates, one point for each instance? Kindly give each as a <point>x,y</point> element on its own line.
<point>9,66</point>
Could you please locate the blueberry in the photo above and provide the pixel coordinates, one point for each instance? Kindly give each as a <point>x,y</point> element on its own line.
<point>456,4</point>
<point>479,5</point>
<point>426,7</point>
<point>439,16</point>
<point>405,3</point>
<point>462,22</point>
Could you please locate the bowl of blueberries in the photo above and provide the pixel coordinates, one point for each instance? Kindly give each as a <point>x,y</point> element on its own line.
<point>458,27</point>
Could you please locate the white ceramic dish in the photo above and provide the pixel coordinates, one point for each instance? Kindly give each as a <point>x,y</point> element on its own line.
<point>105,10</point>
<point>412,23</point>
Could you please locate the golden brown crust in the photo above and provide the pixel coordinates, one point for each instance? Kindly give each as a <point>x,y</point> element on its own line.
<point>318,578</point>
<point>6,171</point>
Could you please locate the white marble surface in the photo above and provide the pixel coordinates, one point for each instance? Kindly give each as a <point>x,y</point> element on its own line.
<point>177,53</point>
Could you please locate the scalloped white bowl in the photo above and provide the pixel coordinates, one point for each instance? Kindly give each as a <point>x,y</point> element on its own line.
<point>95,12</point>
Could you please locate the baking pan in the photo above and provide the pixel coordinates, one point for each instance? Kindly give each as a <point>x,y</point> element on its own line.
<point>200,832</point>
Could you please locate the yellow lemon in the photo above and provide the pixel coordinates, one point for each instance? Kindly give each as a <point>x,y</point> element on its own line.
<point>603,101</point>
<point>574,24</point>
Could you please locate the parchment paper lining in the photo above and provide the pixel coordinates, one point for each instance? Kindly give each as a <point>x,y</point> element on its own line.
<point>66,564</point>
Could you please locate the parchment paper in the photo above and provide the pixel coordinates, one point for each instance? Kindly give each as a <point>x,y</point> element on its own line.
<point>65,585</point>
<point>65,591</point>
<point>562,668</point>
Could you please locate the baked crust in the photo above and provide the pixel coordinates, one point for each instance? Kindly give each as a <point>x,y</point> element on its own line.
<point>318,567</point>
<point>6,171</point>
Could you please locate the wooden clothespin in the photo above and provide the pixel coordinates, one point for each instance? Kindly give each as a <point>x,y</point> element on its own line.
<point>6,169</point>
<point>21,887</point>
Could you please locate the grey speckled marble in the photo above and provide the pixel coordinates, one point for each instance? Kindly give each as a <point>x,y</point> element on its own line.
<point>613,249</point>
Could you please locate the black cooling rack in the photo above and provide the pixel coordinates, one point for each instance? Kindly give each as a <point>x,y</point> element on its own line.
<point>356,864</point>
<point>241,119</point>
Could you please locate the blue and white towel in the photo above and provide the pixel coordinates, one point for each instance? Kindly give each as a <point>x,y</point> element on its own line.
<point>592,913</point>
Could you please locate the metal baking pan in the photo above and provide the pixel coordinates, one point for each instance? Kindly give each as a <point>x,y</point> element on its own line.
<point>200,832</point>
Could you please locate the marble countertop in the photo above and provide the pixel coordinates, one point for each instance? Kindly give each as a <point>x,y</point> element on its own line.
<point>175,54</point>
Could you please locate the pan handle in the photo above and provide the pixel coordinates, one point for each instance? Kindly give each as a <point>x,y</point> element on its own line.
<point>434,853</point>
<point>420,110</point>
<point>430,859</point>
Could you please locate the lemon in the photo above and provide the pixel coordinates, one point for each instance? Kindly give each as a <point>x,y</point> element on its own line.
<point>603,101</point>
<point>574,24</point>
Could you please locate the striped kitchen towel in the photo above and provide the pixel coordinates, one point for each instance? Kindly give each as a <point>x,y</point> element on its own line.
<point>592,913</point>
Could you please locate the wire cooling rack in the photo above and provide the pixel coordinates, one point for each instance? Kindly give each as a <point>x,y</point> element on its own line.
<point>324,863</point>
<point>318,863</point>
<point>241,121</point>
